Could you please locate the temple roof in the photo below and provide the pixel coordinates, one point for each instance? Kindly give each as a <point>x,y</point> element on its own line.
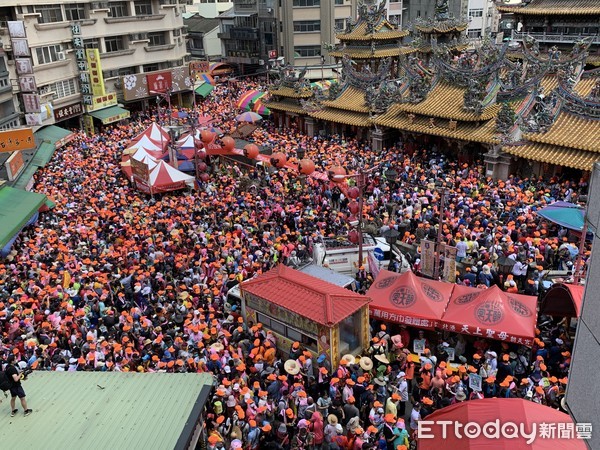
<point>342,116</point>
<point>367,53</point>
<point>285,105</point>
<point>554,7</point>
<point>551,154</point>
<point>351,98</point>
<point>446,101</point>
<point>570,131</point>
<point>284,91</point>
<point>442,27</point>
<point>382,31</point>
<point>466,131</point>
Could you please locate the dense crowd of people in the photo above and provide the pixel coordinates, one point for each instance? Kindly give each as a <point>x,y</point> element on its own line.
<point>114,280</point>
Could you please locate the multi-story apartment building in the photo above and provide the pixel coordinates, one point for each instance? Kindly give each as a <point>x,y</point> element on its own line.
<point>9,115</point>
<point>131,36</point>
<point>483,18</point>
<point>209,8</point>
<point>255,32</point>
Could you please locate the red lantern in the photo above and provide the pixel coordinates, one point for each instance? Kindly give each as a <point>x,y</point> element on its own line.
<point>228,143</point>
<point>336,174</point>
<point>306,166</point>
<point>353,193</point>
<point>353,236</point>
<point>278,160</point>
<point>201,155</point>
<point>202,167</point>
<point>207,136</point>
<point>204,177</point>
<point>353,207</point>
<point>251,151</point>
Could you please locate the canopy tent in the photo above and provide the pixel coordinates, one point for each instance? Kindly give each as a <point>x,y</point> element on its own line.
<point>204,89</point>
<point>17,207</point>
<point>249,97</point>
<point>491,313</point>
<point>260,108</point>
<point>205,78</point>
<point>155,149</point>
<point>565,214</point>
<point>563,300</point>
<point>140,154</point>
<point>249,117</point>
<point>503,410</point>
<point>155,132</point>
<point>408,299</point>
<point>165,178</point>
<point>187,142</point>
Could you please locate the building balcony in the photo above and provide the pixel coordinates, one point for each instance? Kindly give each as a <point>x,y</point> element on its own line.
<point>159,48</point>
<point>244,34</point>
<point>134,18</point>
<point>555,38</point>
<point>224,35</point>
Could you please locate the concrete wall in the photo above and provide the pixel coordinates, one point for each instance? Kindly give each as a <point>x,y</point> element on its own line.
<point>583,391</point>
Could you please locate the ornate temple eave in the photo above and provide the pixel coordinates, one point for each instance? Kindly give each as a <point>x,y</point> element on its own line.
<point>554,8</point>
<point>285,105</point>
<point>464,131</point>
<point>570,131</point>
<point>342,116</point>
<point>361,34</point>
<point>368,53</point>
<point>351,99</point>
<point>551,154</point>
<point>290,92</point>
<point>442,27</point>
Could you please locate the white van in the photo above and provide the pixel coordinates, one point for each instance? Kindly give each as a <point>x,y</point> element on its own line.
<point>341,255</point>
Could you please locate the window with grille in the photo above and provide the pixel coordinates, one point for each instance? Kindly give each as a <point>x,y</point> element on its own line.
<point>307,26</point>
<point>74,11</point>
<point>48,54</point>
<point>339,2</point>
<point>49,13</point>
<point>340,23</point>
<point>91,43</point>
<point>150,67</point>
<point>63,88</point>
<point>143,8</point>
<point>307,3</point>
<point>478,12</point>
<point>113,44</point>
<point>156,39</point>
<point>307,50</point>
<point>118,9</point>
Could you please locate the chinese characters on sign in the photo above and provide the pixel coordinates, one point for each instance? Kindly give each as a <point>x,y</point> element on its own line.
<point>14,165</point>
<point>449,263</point>
<point>102,101</point>
<point>427,257</point>
<point>31,102</point>
<point>66,112</point>
<point>399,318</point>
<point>95,70</point>
<point>19,139</point>
<point>159,82</point>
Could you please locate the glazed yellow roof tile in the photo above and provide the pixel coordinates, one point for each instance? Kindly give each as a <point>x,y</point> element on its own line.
<point>342,116</point>
<point>549,82</point>
<point>383,31</point>
<point>555,7</point>
<point>568,157</point>
<point>594,60</point>
<point>285,105</point>
<point>442,27</point>
<point>585,85</point>
<point>446,101</point>
<point>285,91</point>
<point>570,131</point>
<point>351,99</point>
<point>466,131</point>
<point>366,53</point>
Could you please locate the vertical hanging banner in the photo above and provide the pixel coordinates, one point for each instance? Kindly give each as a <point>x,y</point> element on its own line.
<point>95,69</point>
<point>427,257</point>
<point>449,263</point>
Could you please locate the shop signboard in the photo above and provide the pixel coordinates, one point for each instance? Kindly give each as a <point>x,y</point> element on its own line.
<point>17,139</point>
<point>102,101</point>
<point>14,165</point>
<point>427,257</point>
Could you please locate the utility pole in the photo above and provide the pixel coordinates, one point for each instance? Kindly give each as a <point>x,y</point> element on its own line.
<point>361,191</point>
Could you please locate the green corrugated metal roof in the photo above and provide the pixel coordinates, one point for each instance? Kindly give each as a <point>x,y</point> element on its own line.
<point>25,176</point>
<point>43,155</point>
<point>128,411</point>
<point>16,208</point>
<point>52,133</point>
<point>111,114</point>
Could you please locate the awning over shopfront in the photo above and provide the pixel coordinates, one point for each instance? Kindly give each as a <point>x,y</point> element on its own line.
<point>408,299</point>
<point>204,89</point>
<point>110,115</point>
<point>43,155</point>
<point>57,136</point>
<point>16,208</point>
<point>492,314</point>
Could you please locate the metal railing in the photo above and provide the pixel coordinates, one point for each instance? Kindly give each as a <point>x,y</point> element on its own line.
<point>554,37</point>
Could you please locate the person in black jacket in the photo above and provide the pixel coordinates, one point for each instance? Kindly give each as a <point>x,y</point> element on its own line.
<point>16,390</point>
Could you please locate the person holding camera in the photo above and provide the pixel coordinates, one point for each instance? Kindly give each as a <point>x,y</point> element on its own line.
<point>16,390</point>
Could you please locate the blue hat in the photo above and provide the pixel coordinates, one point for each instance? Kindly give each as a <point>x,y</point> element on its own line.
<point>320,359</point>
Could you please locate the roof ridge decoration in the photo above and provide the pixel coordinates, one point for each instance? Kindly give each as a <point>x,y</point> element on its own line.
<point>365,77</point>
<point>543,114</point>
<point>420,79</point>
<point>371,13</point>
<point>555,59</point>
<point>506,119</point>
<point>587,107</point>
<point>289,79</point>
<point>380,97</point>
<point>520,79</point>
